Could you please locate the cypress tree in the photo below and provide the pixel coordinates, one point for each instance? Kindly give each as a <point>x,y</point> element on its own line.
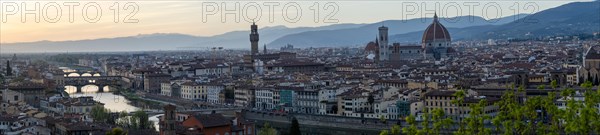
<point>295,129</point>
<point>8,69</point>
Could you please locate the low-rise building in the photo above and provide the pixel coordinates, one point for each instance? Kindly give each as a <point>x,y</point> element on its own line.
<point>193,91</point>
<point>214,92</point>
<point>308,102</point>
<point>62,106</point>
<point>152,82</point>
<point>244,96</point>
<point>32,92</point>
<point>264,99</point>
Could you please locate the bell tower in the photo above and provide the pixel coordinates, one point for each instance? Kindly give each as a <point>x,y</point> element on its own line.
<point>383,44</point>
<point>254,39</point>
<point>169,119</point>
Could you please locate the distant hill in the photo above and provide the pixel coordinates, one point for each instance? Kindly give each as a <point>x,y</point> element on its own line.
<point>569,19</point>
<point>240,39</point>
<point>361,35</point>
<point>456,34</point>
<point>131,43</point>
<point>164,41</point>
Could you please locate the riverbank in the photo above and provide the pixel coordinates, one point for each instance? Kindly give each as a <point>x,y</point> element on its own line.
<point>319,124</point>
<point>138,101</point>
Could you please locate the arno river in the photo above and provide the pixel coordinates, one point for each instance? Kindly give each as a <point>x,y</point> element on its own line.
<point>115,103</point>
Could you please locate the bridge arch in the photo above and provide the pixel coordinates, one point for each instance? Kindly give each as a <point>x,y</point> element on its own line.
<point>87,74</point>
<point>88,88</point>
<point>73,75</point>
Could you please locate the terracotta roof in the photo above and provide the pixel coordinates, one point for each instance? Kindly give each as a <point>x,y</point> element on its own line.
<point>371,46</point>
<point>212,120</point>
<point>436,32</point>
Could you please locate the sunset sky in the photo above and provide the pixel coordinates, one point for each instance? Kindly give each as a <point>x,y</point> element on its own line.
<point>186,17</point>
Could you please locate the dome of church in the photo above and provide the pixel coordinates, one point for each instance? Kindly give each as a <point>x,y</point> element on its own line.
<point>435,32</point>
<point>371,46</point>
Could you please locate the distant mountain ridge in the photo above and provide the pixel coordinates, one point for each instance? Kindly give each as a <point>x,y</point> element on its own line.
<point>361,35</point>
<point>163,41</point>
<point>568,19</point>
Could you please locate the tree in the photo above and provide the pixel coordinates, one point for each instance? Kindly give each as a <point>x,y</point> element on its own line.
<point>412,128</point>
<point>384,132</point>
<point>530,113</point>
<point>8,69</point>
<point>295,129</point>
<point>425,128</point>
<point>554,84</point>
<point>458,101</point>
<point>554,114</point>
<point>116,131</point>
<point>139,120</point>
<point>440,123</point>
<point>395,130</point>
<point>142,119</point>
<point>267,130</point>
<point>382,119</point>
<point>100,114</point>
<point>476,118</point>
<point>371,99</point>
<point>504,117</point>
<point>541,87</point>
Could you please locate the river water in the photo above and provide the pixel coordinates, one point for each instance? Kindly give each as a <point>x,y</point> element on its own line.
<point>113,102</point>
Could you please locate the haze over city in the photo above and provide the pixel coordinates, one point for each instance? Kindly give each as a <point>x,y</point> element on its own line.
<point>299,67</point>
<point>186,17</point>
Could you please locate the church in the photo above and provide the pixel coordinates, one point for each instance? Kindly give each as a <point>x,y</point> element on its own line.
<point>435,45</point>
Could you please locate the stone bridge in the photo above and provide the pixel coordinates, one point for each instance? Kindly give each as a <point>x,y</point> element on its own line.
<point>224,111</point>
<point>100,81</point>
<point>81,73</point>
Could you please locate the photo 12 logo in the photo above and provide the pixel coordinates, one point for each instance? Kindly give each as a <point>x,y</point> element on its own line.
<point>290,12</point>
<point>492,12</point>
<point>53,12</point>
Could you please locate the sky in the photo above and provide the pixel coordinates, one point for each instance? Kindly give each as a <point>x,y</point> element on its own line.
<point>78,20</point>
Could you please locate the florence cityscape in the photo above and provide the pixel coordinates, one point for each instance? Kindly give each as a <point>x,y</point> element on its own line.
<point>186,67</point>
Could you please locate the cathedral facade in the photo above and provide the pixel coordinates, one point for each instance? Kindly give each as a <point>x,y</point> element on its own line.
<point>435,45</point>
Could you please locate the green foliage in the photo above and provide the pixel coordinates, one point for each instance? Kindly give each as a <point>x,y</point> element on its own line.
<point>371,99</point>
<point>100,114</point>
<point>139,120</point>
<point>384,132</point>
<point>116,131</point>
<point>554,84</point>
<point>541,87</point>
<point>382,119</point>
<point>460,99</point>
<point>267,130</point>
<point>66,58</point>
<point>476,118</point>
<point>518,115</point>
<point>425,128</point>
<point>412,126</point>
<point>396,130</point>
<point>440,123</point>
